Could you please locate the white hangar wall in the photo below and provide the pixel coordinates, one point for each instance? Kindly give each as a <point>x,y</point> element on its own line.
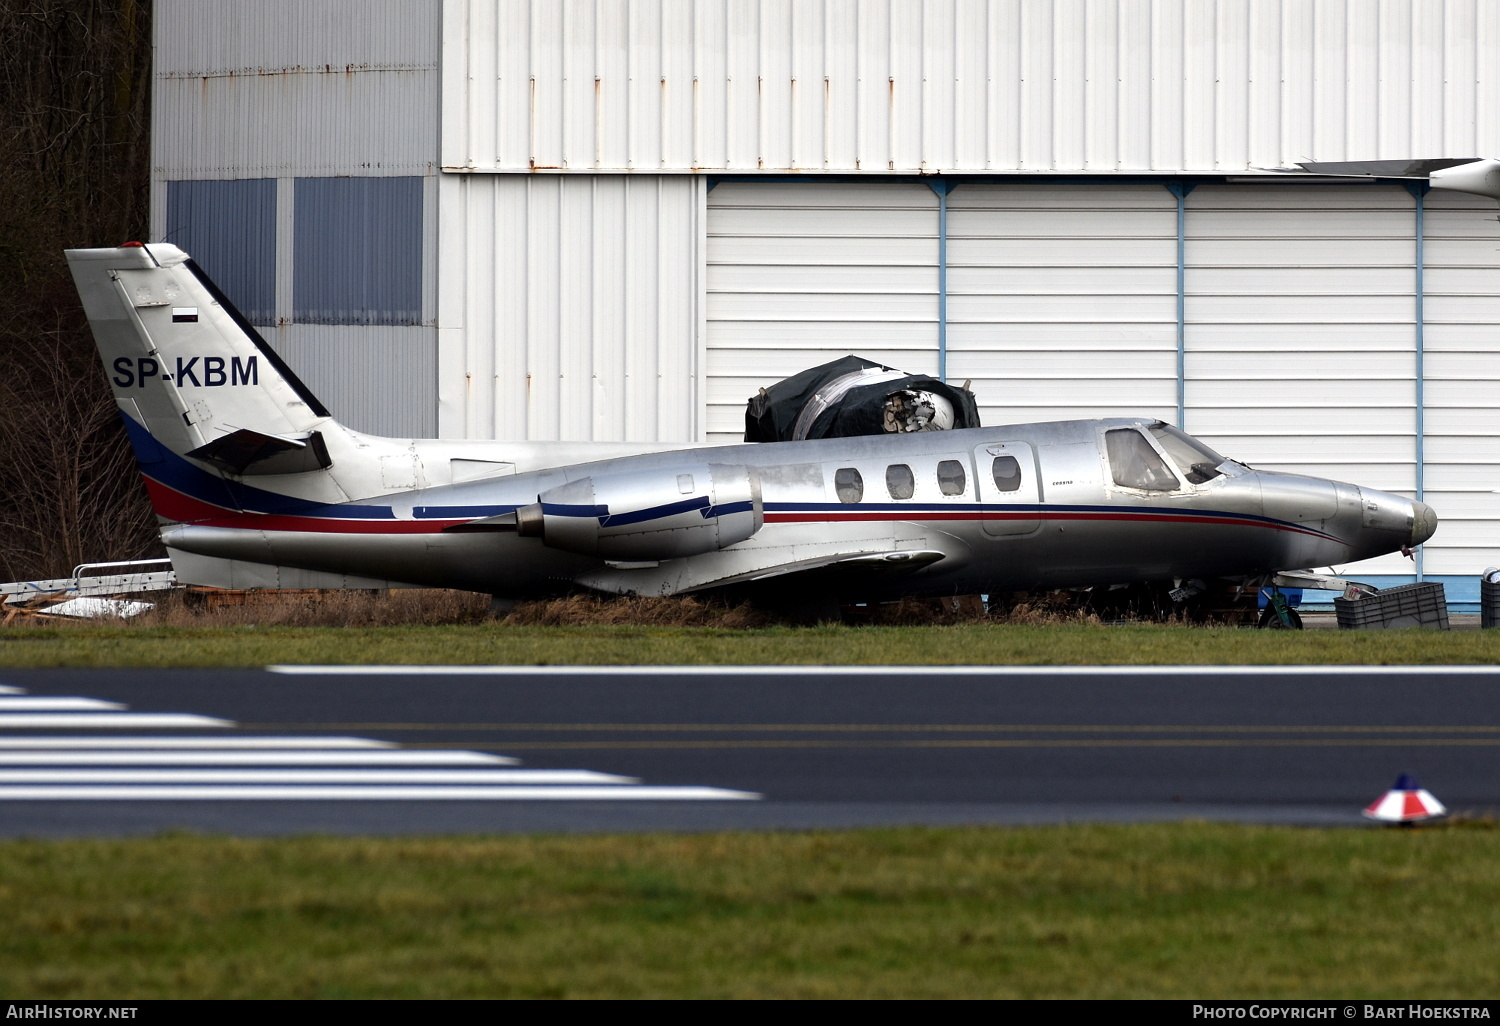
<point>573,312</point>
<point>911,86</point>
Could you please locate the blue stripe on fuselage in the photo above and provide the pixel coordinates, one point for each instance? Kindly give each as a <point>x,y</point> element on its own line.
<point>161,464</point>
<point>460,512</point>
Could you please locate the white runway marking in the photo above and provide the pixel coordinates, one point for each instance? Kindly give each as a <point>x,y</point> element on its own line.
<point>34,703</point>
<point>148,793</point>
<point>112,767</point>
<point>110,721</point>
<point>289,776</point>
<point>178,741</point>
<point>861,671</point>
<point>291,757</point>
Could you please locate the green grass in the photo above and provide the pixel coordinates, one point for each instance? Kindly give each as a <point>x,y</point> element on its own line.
<point>1185,910</point>
<point>982,644</point>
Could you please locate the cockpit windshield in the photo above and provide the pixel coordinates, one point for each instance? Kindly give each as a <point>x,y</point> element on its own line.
<point>1135,464</point>
<point>1197,461</point>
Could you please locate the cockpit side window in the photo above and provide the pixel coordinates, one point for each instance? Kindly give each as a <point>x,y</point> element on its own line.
<point>1197,461</point>
<point>1135,464</point>
<point>848,484</point>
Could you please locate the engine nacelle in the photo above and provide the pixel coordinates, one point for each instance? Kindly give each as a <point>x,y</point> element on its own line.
<point>650,514</point>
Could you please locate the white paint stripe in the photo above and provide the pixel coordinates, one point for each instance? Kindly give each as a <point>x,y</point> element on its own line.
<point>282,776</point>
<point>207,743</point>
<point>6,689</point>
<point>149,793</point>
<point>122,720</point>
<point>54,703</point>
<point>859,671</point>
<point>400,757</point>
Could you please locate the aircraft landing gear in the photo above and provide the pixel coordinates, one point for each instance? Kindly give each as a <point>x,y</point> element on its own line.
<point>1278,616</point>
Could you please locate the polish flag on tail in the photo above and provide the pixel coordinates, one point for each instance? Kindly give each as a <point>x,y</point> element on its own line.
<point>1406,802</point>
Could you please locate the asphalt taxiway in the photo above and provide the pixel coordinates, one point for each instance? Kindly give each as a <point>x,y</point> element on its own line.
<point>390,750</point>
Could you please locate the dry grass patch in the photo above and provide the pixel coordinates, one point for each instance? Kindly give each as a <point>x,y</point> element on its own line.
<point>430,607</point>
<point>581,610</point>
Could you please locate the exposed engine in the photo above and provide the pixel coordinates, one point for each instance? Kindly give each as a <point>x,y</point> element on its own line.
<point>854,396</point>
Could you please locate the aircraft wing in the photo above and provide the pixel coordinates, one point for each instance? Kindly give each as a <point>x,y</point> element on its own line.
<point>1476,175</point>
<point>881,554</point>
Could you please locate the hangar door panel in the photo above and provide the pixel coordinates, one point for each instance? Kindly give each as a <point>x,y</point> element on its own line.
<point>1462,363</point>
<point>798,275</point>
<point>1062,300</point>
<point>1300,320</point>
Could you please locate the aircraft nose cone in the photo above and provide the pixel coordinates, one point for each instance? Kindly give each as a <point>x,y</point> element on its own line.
<point>1423,523</point>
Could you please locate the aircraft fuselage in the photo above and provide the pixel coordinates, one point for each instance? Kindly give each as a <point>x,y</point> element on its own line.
<point>1065,523</point>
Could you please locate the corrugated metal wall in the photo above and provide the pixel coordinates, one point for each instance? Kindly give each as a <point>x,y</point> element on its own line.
<point>1301,332</point>
<point>279,88</point>
<point>229,227</point>
<point>373,378</point>
<point>1062,300</point>
<point>1301,335</point>
<point>357,251</point>
<point>1462,363</point>
<point>881,86</point>
<point>574,311</point>
<point>798,274</point>
<point>289,90</point>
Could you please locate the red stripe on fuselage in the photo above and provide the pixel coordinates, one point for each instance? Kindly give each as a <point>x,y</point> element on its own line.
<point>174,505</point>
<point>184,509</point>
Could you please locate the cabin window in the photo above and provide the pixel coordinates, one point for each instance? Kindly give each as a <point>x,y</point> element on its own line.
<point>951,478</point>
<point>1007,473</point>
<point>1197,461</point>
<point>848,484</point>
<point>1135,464</point>
<point>900,481</point>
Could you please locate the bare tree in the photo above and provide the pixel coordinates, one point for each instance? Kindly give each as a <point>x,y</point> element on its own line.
<point>74,171</point>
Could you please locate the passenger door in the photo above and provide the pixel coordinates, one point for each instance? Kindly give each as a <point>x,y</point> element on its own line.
<point>1005,477</point>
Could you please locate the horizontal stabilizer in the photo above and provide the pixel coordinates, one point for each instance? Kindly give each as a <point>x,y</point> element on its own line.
<point>246,452</point>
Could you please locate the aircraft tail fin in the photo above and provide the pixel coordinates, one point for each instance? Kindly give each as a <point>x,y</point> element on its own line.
<point>205,398</point>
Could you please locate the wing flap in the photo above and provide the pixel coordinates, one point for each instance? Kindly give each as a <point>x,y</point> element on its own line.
<point>759,563</point>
